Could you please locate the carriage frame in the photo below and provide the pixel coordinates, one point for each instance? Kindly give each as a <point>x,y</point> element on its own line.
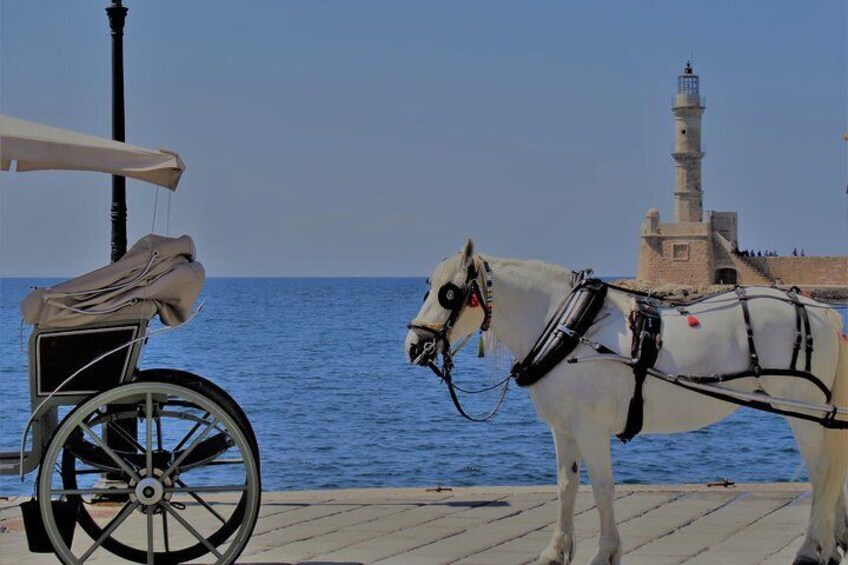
<point>148,445</point>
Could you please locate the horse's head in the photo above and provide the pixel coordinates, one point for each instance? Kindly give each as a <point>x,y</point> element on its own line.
<point>454,307</point>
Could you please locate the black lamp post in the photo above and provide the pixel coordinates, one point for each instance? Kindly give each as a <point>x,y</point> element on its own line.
<point>117,15</point>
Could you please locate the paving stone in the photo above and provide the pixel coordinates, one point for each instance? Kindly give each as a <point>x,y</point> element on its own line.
<point>660,525</point>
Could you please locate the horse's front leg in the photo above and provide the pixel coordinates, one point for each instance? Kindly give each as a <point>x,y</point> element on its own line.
<point>594,442</point>
<point>561,549</point>
<point>842,520</point>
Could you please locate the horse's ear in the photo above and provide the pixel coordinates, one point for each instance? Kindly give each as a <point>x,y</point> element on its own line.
<point>468,251</point>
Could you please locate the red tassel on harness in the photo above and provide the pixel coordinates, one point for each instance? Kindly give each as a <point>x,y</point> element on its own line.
<point>473,302</point>
<point>693,321</point>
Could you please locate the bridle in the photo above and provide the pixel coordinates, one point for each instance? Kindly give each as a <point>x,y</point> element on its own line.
<point>455,300</point>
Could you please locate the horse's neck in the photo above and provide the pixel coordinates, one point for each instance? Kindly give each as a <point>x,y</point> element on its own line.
<point>525,293</point>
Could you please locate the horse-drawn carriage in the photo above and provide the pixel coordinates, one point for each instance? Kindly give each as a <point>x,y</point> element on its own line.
<point>154,465</point>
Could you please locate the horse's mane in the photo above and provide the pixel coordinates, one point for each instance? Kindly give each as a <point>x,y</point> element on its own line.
<point>499,358</point>
<point>546,269</point>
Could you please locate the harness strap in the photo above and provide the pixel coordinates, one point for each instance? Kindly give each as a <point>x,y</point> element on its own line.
<point>635,411</point>
<point>645,324</point>
<point>796,346</point>
<point>808,337</point>
<point>489,302</point>
<point>802,321</point>
<point>746,314</point>
<point>829,421</point>
<point>764,371</point>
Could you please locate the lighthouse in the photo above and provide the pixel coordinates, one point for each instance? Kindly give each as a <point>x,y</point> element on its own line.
<point>697,248</point>
<point>700,248</point>
<point>688,109</point>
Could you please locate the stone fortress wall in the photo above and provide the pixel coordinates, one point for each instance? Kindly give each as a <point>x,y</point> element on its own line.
<point>700,249</point>
<point>803,271</point>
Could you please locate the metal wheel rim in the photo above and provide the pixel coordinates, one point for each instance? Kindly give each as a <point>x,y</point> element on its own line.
<point>78,416</point>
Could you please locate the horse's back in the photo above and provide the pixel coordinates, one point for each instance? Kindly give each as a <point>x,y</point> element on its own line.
<point>711,336</point>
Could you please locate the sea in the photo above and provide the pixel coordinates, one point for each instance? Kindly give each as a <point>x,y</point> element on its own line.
<point>318,366</point>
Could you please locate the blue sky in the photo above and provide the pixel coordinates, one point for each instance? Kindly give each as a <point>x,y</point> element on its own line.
<point>370,138</point>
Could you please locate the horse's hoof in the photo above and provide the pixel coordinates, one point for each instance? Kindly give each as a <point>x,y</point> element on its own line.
<point>834,561</point>
<point>545,560</point>
<point>807,561</point>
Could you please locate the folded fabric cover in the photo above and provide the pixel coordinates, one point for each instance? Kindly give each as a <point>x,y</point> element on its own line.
<point>157,275</point>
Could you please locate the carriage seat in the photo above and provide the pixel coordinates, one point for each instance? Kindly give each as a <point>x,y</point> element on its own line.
<point>93,315</point>
<point>158,275</point>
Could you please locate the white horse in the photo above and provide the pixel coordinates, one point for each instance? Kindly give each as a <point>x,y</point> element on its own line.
<point>584,403</point>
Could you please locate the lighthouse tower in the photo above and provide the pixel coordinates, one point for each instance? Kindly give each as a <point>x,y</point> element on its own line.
<point>696,248</point>
<point>701,248</point>
<point>688,109</point>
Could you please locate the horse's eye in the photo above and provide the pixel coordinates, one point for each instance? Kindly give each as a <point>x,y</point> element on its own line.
<point>426,294</point>
<point>428,281</point>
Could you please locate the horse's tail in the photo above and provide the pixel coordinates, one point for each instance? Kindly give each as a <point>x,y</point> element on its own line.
<point>835,442</point>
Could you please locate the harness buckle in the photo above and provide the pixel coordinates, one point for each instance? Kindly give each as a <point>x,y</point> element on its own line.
<point>564,329</point>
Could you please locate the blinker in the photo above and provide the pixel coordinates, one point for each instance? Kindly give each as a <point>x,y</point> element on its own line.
<point>450,297</point>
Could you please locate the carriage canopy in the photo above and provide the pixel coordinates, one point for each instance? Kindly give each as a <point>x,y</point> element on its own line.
<point>36,147</point>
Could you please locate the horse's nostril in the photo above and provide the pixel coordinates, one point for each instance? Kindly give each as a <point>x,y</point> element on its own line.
<point>413,351</point>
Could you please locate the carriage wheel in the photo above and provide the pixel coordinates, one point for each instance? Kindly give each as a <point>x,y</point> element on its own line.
<point>91,526</point>
<point>192,481</point>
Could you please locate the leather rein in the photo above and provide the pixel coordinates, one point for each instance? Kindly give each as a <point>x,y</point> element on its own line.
<point>456,299</point>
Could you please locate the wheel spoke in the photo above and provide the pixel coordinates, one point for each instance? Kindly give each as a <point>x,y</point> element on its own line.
<point>165,532</point>
<point>127,437</point>
<point>84,491</point>
<point>121,463</point>
<point>202,502</point>
<point>223,488</point>
<point>190,448</point>
<point>190,528</point>
<point>149,530</point>
<point>148,410</point>
<point>190,433</point>
<point>88,471</point>
<point>159,431</point>
<point>224,462</point>
<point>111,527</point>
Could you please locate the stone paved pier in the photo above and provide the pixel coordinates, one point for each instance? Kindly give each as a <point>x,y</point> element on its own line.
<point>668,524</point>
